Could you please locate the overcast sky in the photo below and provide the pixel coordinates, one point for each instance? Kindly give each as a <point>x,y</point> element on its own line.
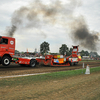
<point>52,29</point>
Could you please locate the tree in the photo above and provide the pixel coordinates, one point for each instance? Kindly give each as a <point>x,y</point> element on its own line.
<point>44,47</point>
<point>16,51</point>
<point>94,54</point>
<point>82,53</point>
<point>64,50</point>
<point>86,53</point>
<point>70,51</point>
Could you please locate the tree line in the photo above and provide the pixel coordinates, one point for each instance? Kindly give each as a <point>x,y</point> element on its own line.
<point>64,50</point>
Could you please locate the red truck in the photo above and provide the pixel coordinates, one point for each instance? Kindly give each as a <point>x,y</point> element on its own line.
<point>7,49</point>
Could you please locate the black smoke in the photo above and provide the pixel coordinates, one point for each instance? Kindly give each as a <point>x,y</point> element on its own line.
<point>37,13</point>
<point>80,34</point>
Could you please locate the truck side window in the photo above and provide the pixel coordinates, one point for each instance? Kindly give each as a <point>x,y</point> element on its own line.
<point>5,41</point>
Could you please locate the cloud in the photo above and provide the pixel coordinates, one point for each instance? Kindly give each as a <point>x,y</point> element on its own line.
<point>7,7</point>
<point>52,28</point>
<point>91,13</point>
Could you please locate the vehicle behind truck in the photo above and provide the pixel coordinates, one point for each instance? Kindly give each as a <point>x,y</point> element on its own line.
<point>51,60</point>
<point>7,49</point>
<point>61,60</point>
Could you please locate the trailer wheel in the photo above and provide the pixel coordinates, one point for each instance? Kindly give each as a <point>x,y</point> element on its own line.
<point>75,63</point>
<point>6,60</point>
<point>71,63</point>
<point>32,63</point>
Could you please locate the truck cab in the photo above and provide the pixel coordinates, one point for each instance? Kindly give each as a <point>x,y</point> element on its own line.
<point>75,56</point>
<point>7,49</point>
<point>75,51</point>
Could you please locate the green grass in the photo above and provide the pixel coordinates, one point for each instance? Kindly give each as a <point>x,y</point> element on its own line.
<point>37,78</point>
<point>96,69</point>
<point>90,60</point>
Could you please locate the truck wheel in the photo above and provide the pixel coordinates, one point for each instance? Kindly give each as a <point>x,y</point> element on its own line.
<point>33,63</point>
<point>6,60</point>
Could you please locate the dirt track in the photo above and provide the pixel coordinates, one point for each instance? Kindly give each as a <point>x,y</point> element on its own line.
<point>15,69</point>
<point>80,87</point>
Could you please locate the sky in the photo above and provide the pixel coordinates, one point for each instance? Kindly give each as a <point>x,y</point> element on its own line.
<point>53,21</point>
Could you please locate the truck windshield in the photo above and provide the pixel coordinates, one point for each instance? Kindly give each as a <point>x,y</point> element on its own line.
<point>74,49</point>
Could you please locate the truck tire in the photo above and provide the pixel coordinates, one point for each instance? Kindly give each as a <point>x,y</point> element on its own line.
<point>32,63</point>
<point>6,60</point>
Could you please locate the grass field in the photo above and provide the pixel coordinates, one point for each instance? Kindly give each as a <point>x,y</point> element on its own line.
<point>65,85</point>
<point>90,60</point>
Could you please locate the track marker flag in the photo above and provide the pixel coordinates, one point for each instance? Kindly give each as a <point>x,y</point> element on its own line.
<point>27,50</point>
<point>87,70</point>
<point>83,67</point>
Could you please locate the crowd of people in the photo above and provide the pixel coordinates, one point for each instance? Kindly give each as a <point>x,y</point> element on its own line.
<point>28,54</point>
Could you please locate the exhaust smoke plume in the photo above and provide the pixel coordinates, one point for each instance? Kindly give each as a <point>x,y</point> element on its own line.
<point>81,34</point>
<point>36,14</point>
<point>11,30</point>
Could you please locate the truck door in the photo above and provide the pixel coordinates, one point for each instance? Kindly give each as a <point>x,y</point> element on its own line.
<point>11,44</point>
